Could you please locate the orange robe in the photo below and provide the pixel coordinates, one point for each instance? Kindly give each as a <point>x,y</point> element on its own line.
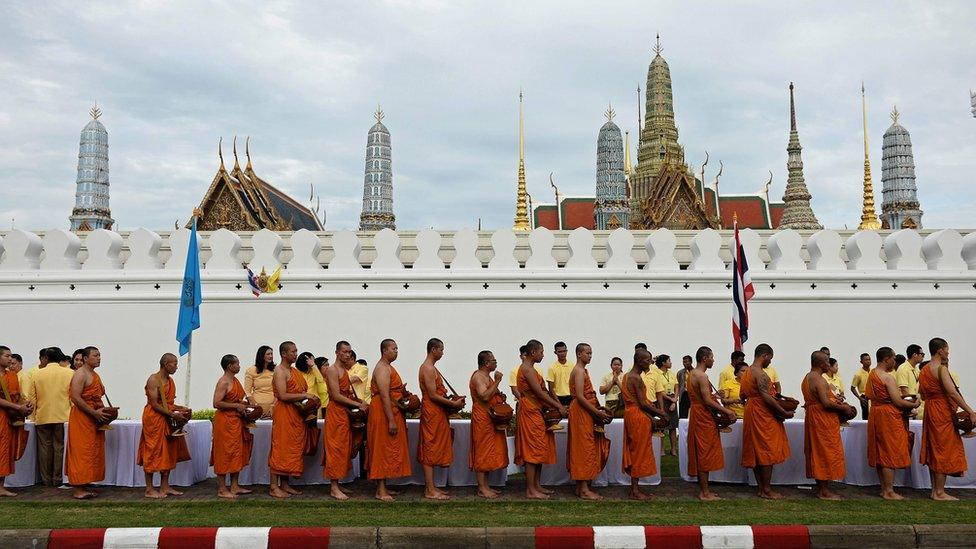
<point>587,451</point>
<point>764,439</point>
<point>533,442</point>
<point>704,441</point>
<point>387,456</point>
<point>638,459</point>
<point>341,440</point>
<point>157,451</point>
<point>13,440</point>
<point>436,444</point>
<point>887,429</point>
<point>288,431</point>
<point>822,447</point>
<point>232,441</point>
<point>942,450</point>
<point>84,453</point>
<point>489,446</point>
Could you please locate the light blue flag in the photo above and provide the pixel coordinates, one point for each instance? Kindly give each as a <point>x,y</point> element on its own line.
<point>190,295</point>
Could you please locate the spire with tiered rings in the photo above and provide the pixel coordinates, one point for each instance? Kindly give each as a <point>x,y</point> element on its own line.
<point>521,203</point>
<point>869,218</point>
<point>798,214</point>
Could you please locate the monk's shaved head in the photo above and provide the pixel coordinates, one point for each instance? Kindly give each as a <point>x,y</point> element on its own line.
<point>167,357</point>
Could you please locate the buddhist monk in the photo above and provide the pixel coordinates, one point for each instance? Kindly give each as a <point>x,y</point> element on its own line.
<point>822,447</point>
<point>489,445</point>
<point>288,430</point>
<point>587,450</point>
<point>387,453</point>
<point>888,447</point>
<point>638,459</point>
<point>436,445</point>
<point>340,438</point>
<point>11,448</point>
<point>534,444</point>
<point>158,451</point>
<point>704,442</point>
<point>942,450</point>
<point>232,441</point>
<point>85,451</point>
<point>764,442</point>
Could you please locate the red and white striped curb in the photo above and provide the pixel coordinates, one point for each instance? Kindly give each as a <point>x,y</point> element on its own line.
<point>673,537</point>
<point>558,537</point>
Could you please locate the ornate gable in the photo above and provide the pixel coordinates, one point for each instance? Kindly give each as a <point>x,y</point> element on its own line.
<point>674,202</point>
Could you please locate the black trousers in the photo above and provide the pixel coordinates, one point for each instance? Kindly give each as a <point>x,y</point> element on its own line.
<point>565,400</point>
<point>684,405</point>
<point>864,409</point>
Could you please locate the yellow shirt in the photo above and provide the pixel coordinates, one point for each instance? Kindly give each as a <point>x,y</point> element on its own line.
<point>906,376</point>
<point>731,390</point>
<point>558,375</point>
<point>860,380</point>
<point>48,389</point>
<point>837,383</point>
<point>726,374</point>
<point>614,392</point>
<point>258,387</point>
<point>361,387</point>
<point>653,383</point>
<point>772,373</point>
<point>670,381</point>
<point>316,385</point>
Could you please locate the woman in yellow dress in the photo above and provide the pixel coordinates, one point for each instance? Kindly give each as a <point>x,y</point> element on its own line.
<point>730,391</point>
<point>257,380</point>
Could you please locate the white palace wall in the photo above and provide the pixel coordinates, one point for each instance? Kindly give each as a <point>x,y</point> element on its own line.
<point>852,292</point>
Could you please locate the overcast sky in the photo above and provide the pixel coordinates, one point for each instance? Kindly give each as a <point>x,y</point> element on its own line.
<point>303,82</point>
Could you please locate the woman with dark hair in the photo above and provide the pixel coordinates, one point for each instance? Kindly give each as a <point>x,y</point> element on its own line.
<point>313,377</point>
<point>77,359</point>
<point>257,380</point>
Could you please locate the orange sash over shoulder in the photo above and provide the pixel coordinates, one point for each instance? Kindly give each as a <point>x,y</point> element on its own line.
<point>638,460</point>
<point>13,440</point>
<point>764,439</point>
<point>489,446</point>
<point>942,449</point>
<point>231,450</point>
<point>436,444</point>
<point>887,433</point>
<point>822,447</point>
<point>84,453</point>
<point>587,450</point>
<point>158,452</point>
<point>533,442</point>
<point>340,440</point>
<point>387,456</point>
<point>704,441</point>
<point>288,431</point>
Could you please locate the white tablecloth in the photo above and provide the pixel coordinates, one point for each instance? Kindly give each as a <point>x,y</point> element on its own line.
<point>793,470</point>
<point>257,472</point>
<point>25,469</point>
<point>613,473</point>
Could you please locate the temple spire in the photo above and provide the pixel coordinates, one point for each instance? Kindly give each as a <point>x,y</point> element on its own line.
<point>521,207</point>
<point>900,208</point>
<point>247,153</point>
<point>627,167</point>
<point>91,210</point>
<point>869,218</point>
<point>237,164</point>
<point>798,214</point>
<point>220,153</point>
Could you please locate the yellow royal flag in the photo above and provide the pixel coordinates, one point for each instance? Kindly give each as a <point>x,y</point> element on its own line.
<point>272,284</point>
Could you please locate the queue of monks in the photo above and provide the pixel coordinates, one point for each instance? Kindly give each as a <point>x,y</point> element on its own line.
<point>367,414</point>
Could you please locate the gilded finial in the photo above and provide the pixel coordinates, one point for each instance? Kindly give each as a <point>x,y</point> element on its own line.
<point>379,115</point>
<point>894,114</point>
<point>735,218</point>
<point>220,153</point>
<point>657,45</point>
<point>792,110</point>
<point>247,152</point>
<point>869,219</point>
<point>95,112</point>
<point>237,165</point>
<point>609,112</point>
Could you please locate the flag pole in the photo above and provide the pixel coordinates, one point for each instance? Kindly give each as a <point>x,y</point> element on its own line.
<point>186,384</point>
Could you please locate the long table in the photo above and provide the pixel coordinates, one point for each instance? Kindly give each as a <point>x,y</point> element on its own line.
<point>793,470</point>
<point>122,445</point>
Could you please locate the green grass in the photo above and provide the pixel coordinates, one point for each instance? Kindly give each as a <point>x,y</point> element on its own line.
<point>477,513</point>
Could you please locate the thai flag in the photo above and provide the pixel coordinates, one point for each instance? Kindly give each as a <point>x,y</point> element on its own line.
<point>252,281</point>
<point>742,292</point>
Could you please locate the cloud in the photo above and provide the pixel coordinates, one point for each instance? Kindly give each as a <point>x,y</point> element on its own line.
<point>303,80</point>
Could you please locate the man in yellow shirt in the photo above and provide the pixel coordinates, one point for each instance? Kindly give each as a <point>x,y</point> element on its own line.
<point>557,377</point>
<point>655,386</point>
<point>906,375</point>
<point>728,373</point>
<point>48,389</point>
<point>832,375</point>
<point>730,390</point>
<point>860,383</point>
<point>359,377</point>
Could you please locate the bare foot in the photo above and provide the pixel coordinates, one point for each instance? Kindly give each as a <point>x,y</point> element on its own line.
<point>82,494</point>
<point>346,491</point>
<point>590,495</point>
<point>386,497</point>
<point>536,495</point>
<point>892,495</point>
<point>944,497</point>
<point>338,494</point>
<point>241,491</point>
<point>393,492</point>
<point>227,494</point>
<point>829,496</point>
<point>278,493</point>
<point>153,494</point>
<point>770,495</point>
<point>437,495</point>
<point>172,492</point>
<point>7,493</point>
<point>488,494</point>
<point>708,496</point>
<point>290,490</point>
<point>638,495</point>
<point>546,491</point>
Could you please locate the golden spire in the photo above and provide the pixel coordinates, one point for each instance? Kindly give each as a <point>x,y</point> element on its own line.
<point>869,219</point>
<point>220,153</point>
<point>657,45</point>
<point>237,165</point>
<point>521,208</point>
<point>247,153</point>
<point>627,167</point>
